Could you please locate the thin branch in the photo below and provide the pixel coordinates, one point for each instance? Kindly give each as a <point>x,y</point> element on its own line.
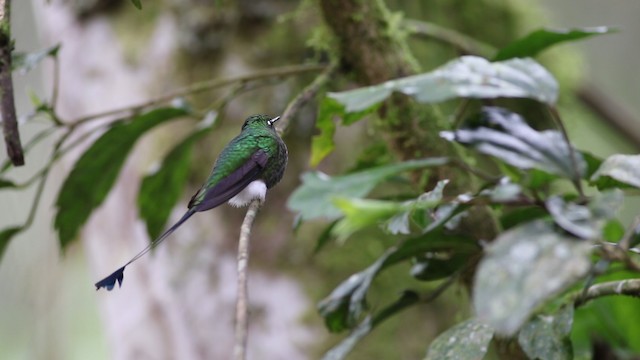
<point>555,115</point>
<point>462,42</point>
<point>204,86</point>
<point>7,103</point>
<point>305,95</point>
<point>242,316</point>
<point>630,287</point>
<point>625,242</point>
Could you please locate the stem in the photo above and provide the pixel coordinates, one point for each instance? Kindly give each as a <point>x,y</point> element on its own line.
<point>205,86</point>
<point>555,115</point>
<point>242,316</point>
<point>629,287</point>
<point>462,42</point>
<point>7,102</point>
<point>305,95</point>
<point>625,242</point>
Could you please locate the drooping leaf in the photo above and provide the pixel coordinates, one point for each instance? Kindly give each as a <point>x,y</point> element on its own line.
<point>25,62</point>
<point>522,269</point>
<point>314,198</point>
<point>341,350</point>
<point>467,77</point>
<point>137,4</point>
<point>618,171</point>
<point>468,340</point>
<point>508,137</point>
<point>360,213</point>
<point>533,43</point>
<point>93,175</point>
<point>4,183</point>
<point>323,144</point>
<point>585,221</point>
<point>346,303</point>
<point>5,237</point>
<point>161,190</point>
<point>547,336</point>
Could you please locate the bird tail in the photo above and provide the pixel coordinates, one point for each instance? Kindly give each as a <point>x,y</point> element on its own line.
<point>110,281</point>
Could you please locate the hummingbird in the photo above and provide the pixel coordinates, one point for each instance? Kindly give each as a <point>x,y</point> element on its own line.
<point>247,167</point>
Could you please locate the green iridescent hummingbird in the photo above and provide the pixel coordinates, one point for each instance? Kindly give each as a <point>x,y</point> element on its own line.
<point>251,163</point>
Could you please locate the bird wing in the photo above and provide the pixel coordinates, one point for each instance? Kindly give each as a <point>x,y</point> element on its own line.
<point>232,184</point>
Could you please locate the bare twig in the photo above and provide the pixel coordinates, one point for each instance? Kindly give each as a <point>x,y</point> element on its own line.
<point>242,316</point>
<point>7,103</point>
<point>204,86</point>
<point>630,287</point>
<point>462,42</point>
<point>305,95</point>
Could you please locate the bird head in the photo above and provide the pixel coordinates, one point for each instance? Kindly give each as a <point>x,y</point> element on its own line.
<point>257,121</point>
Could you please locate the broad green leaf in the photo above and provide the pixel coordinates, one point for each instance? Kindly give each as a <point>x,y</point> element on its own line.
<point>522,269</point>
<point>5,237</point>
<point>323,144</point>
<point>613,230</point>
<point>345,305</point>
<point>585,221</point>
<point>93,175</point>
<point>547,336</point>
<point>25,62</point>
<point>535,42</point>
<point>161,190</point>
<point>468,340</point>
<point>466,77</point>
<point>341,350</point>
<point>360,213</point>
<point>617,171</point>
<point>593,163</point>
<point>4,183</point>
<point>508,137</point>
<point>137,4</point>
<point>314,198</point>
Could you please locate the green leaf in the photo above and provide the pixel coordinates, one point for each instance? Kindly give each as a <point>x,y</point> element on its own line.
<point>137,4</point>
<point>547,336</point>
<point>4,183</point>
<point>360,213</point>
<point>585,221</point>
<point>345,305</point>
<point>93,175</point>
<point>161,190</point>
<point>508,137</point>
<point>539,40</point>
<point>468,340</point>
<point>25,62</point>
<point>466,77</point>
<point>341,350</point>
<point>521,215</point>
<point>314,198</point>
<point>323,144</point>
<point>618,171</point>
<point>613,230</point>
<point>5,237</point>
<point>438,265</point>
<point>522,269</point>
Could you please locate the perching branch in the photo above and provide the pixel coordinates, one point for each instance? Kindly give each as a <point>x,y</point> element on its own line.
<point>629,287</point>
<point>462,42</point>
<point>242,302</point>
<point>7,103</point>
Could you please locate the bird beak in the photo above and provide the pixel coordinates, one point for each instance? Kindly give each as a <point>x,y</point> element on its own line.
<point>272,121</point>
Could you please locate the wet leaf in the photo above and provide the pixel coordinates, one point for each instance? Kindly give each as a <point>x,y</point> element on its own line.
<point>314,198</point>
<point>467,77</point>
<point>161,190</point>
<point>468,340</point>
<point>585,221</point>
<point>93,175</point>
<point>547,336</point>
<point>346,304</point>
<point>341,350</point>
<point>522,269</point>
<point>618,171</point>
<point>539,40</point>
<point>508,137</point>
<point>5,237</point>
